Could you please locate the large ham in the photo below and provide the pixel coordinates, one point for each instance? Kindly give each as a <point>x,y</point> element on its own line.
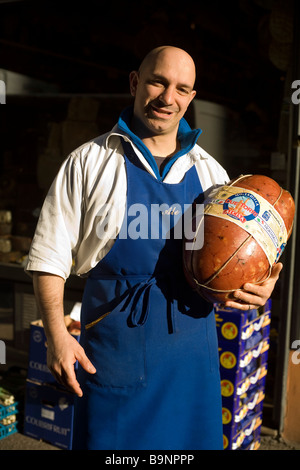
<point>246,226</point>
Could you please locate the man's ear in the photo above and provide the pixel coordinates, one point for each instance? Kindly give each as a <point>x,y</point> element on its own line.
<point>133,82</point>
<point>193,94</point>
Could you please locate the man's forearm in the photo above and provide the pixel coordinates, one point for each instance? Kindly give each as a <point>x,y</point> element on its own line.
<point>63,349</point>
<point>49,294</point>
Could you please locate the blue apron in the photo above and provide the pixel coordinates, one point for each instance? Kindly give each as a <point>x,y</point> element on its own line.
<point>151,338</point>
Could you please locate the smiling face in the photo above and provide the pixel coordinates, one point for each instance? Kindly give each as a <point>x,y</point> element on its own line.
<point>163,90</point>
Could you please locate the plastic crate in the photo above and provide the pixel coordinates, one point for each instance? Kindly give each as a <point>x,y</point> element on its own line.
<point>8,410</point>
<point>8,429</point>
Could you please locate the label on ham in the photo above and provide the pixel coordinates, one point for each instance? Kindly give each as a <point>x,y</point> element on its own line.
<point>253,213</point>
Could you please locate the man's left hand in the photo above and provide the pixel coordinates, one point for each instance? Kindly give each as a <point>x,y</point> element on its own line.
<point>255,295</point>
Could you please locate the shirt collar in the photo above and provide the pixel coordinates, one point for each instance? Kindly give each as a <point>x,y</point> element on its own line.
<point>186,136</point>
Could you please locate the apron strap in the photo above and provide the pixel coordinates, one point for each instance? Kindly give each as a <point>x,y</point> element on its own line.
<point>138,301</point>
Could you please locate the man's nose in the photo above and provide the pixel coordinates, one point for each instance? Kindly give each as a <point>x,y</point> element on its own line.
<point>167,96</point>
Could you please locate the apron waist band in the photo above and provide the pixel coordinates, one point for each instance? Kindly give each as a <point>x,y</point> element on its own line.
<point>138,299</point>
<point>138,277</point>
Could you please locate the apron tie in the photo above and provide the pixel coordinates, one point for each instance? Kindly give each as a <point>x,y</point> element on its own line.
<point>139,301</point>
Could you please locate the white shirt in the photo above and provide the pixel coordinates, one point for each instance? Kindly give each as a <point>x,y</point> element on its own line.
<point>75,211</point>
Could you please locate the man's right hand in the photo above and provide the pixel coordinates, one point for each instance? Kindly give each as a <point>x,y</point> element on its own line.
<point>62,355</point>
<point>63,349</point>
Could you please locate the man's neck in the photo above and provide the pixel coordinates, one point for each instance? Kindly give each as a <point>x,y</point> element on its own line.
<point>162,145</point>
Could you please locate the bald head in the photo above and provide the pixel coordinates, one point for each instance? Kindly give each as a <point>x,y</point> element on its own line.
<point>172,55</point>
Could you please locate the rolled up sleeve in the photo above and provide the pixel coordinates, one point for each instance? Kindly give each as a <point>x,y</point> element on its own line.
<point>58,230</point>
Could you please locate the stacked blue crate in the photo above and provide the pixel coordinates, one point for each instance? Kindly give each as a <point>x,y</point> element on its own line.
<point>243,339</point>
<point>8,414</point>
<point>49,407</point>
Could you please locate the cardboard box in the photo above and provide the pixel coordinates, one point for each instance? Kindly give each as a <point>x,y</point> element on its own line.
<point>237,367</point>
<point>249,432</point>
<point>243,340</point>
<point>248,404</point>
<point>37,364</point>
<point>239,330</point>
<point>49,414</point>
<point>232,393</point>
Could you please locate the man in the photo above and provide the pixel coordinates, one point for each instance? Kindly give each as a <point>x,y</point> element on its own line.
<point>148,361</point>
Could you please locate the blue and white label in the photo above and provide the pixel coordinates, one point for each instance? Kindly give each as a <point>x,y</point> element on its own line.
<point>242,206</point>
<point>253,213</point>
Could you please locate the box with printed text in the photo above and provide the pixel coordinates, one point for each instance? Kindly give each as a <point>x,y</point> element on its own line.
<point>249,432</point>
<point>243,342</point>
<point>239,330</point>
<point>233,395</point>
<point>49,413</point>
<point>37,364</point>
<point>237,367</point>
<point>246,405</point>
